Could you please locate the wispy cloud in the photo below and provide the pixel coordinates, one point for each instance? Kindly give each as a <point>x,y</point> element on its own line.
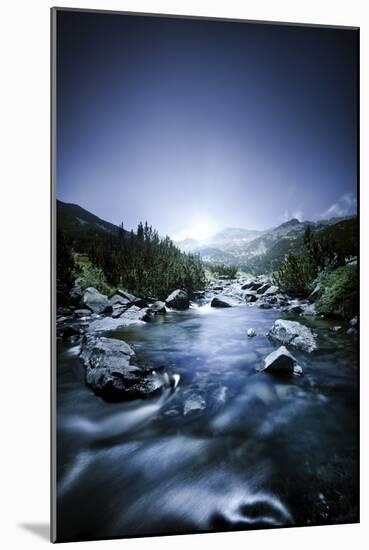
<point>344,206</point>
<point>288,215</point>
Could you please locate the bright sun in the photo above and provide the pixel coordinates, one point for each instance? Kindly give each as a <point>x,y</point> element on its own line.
<point>201,229</point>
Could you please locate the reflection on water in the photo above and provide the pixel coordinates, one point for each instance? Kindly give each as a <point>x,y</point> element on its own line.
<point>230,448</point>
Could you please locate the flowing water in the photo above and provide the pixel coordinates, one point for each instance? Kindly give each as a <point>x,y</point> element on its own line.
<point>230,448</point>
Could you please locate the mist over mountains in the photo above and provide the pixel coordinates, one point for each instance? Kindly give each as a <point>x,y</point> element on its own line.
<point>251,250</point>
<point>260,251</point>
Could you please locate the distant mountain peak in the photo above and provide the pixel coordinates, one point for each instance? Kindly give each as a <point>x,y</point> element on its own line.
<point>290,223</point>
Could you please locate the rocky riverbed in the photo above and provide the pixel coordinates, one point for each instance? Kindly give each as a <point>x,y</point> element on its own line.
<point>225,406</point>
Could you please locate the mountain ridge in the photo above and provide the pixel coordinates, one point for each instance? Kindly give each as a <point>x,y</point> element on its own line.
<point>251,250</point>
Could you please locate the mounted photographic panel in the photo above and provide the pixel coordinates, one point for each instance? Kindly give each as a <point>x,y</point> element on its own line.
<point>205,275</point>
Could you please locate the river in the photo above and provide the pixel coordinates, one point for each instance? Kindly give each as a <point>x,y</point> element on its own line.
<point>230,448</point>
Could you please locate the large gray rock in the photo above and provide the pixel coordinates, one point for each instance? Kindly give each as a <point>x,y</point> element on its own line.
<point>178,299</point>
<point>135,313</point>
<point>293,334</point>
<point>280,361</point>
<point>111,374</point>
<point>222,301</point>
<point>117,299</point>
<point>95,301</point>
<point>126,295</point>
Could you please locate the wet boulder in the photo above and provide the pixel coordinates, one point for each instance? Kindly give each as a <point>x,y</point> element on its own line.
<point>293,334</point>
<point>178,299</point>
<point>95,301</point>
<point>280,361</point>
<point>126,295</point>
<point>353,322</point>
<point>250,296</point>
<point>271,290</point>
<point>158,307</point>
<point>110,371</point>
<point>263,288</point>
<point>117,299</point>
<point>135,313</point>
<point>222,301</point>
<point>118,309</point>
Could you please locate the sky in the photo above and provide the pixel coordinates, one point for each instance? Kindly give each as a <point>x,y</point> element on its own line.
<point>197,125</point>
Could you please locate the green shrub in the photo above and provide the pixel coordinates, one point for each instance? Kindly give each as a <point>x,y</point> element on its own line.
<point>222,270</point>
<point>295,275</point>
<point>90,275</point>
<point>339,296</point>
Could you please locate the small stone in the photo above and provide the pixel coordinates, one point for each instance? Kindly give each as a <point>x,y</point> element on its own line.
<point>280,361</point>
<point>251,332</point>
<point>298,370</point>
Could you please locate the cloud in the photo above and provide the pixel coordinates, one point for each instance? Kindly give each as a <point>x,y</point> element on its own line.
<point>288,215</point>
<point>345,205</point>
<point>297,214</point>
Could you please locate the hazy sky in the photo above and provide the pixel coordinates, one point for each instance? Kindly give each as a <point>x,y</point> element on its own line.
<point>200,125</point>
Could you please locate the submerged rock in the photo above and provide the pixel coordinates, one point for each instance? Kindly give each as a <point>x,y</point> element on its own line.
<point>280,361</point>
<point>178,299</point>
<point>308,310</point>
<point>264,305</point>
<point>95,301</point>
<point>351,331</point>
<point>194,404</point>
<point>294,334</point>
<point>111,374</point>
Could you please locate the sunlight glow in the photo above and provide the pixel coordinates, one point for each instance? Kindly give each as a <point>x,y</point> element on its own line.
<point>201,229</point>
